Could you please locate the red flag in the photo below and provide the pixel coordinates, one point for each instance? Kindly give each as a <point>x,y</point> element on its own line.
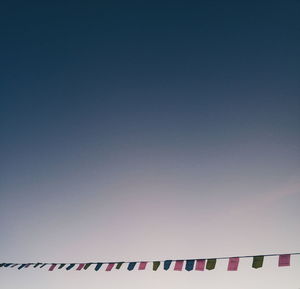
<point>178,265</point>
<point>284,260</point>
<point>142,266</point>
<point>233,264</point>
<point>200,265</point>
<point>109,266</point>
<point>80,266</point>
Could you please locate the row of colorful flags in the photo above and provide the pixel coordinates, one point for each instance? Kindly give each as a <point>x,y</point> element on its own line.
<point>178,265</point>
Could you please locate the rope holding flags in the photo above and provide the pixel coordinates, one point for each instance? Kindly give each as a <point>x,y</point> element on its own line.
<point>284,260</point>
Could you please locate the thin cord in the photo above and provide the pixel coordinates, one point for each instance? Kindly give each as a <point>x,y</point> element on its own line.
<point>172,260</point>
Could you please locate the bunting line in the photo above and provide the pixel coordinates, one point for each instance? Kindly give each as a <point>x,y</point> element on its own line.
<point>197,264</point>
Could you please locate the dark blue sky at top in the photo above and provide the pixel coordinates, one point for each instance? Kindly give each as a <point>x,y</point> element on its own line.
<point>86,80</point>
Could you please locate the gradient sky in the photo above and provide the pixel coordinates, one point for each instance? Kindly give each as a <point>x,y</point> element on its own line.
<point>149,130</point>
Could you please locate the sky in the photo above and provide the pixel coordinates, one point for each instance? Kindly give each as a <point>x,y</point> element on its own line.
<point>149,130</point>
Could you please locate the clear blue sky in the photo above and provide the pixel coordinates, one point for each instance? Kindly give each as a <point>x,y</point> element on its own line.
<point>149,130</point>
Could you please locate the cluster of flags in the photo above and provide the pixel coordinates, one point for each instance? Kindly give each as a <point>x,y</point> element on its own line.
<point>178,265</point>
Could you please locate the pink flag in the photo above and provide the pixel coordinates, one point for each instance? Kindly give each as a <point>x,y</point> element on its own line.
<point>80,266</point>
<point>284,260</point>
<point>52,267</point>
<point>200,265</point>
<point>109,266</point>
<point>178,265</point>
<point>142,265</point>
<point>233,264</point>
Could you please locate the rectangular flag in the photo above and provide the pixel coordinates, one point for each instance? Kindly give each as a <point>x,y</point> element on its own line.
<point>80,266</point>
<point>167,264</point>
<point>109,266</point>
<point>284,260</point>
<point>189,265</point>
<point>178,265</point>
<point>87,265</point>
<point>142,266</point>
<point>70,266</point>
<point>233,264</point>
<point>257,262</point>
<point>155,265</point>
<point>52,267</point>
<point>98,266</point>
<point>211,264</point>
<point>131,266</point>
<point>200,265</point>
<point>119,265</point>
<point>21,266</point>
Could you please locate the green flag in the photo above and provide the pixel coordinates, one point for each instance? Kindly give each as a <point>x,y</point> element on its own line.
<point>119,265</point>
<point>257,262</point>
<point>87,265</point>
<point>211,264</point>
<point>155,265</point>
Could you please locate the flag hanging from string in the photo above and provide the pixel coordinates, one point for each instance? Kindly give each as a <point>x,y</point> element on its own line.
<point>142,265</point>
<point>178,265</point>
<point>87,265</point>
<point>167,264</point>
<point>257,262</point>
<point>189,265</point>
<point>52,267</point>
<point>155,265</point>
<point>284,260</point>
<point>131,266</point>
<point>211,264</point>
<point>200,265</point>
<point>80,266</point>
<point>98,266</point>
<point>233,264</point>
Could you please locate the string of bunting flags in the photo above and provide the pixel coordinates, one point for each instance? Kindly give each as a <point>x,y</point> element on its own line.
<point>178,265</point>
